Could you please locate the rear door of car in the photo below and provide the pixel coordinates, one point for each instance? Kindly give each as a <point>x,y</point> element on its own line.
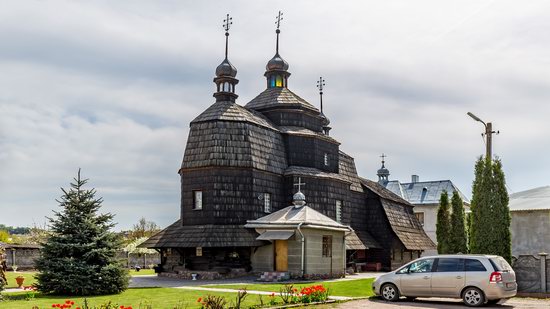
<point>476,273</point>
<point>448,277</point>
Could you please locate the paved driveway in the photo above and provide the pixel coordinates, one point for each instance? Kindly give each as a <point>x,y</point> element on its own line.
<point>443,303</point>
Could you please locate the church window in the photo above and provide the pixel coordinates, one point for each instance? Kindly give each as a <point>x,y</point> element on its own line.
<point>338,211</point>
<point>327,246</point>
<point>267,202</point>
<point>226,87</point>
<point>279,81</point>
<point>420,217</point>
<point>272,82</point>
<point>326,159</point>
<point>197,200</point>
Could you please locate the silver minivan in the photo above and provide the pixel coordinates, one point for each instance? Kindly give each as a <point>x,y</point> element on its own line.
<point>477,279</point>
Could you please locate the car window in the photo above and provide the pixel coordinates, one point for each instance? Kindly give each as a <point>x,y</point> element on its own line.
<point>403,270</point>
<point>421,266</point>
<point>474,265</point>
<point>500,264</point>
<point>450,264</point>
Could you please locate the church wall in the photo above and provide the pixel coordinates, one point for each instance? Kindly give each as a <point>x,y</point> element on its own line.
<point>321,193</point>
<point>316,263</point>
<point>310,152</point>
<point>227,195</point>
<point>262,259</point>
<point>268,183</point>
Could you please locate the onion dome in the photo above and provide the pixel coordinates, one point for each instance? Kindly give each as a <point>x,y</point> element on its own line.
<point>277,63</point>
<point>226,69</point>
<point>225,72</point>
<point>299,199</point>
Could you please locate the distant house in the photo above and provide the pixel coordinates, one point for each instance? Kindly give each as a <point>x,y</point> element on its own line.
<point>22,257</point>
<point>424,195</point>
<point>530,226</point>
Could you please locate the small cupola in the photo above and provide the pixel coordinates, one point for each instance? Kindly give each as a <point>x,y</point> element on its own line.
<point>277,68</point>
<point>225,72</point>
<point>299,199</point>
<point>383,173</point>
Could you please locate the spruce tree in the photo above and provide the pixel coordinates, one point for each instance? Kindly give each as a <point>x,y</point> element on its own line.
<point>457,242</point>
<point>501,213</point>
<point>79,256</point>
<point>442,228</point>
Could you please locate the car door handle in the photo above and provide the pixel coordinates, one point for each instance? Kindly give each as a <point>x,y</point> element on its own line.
<point>426,277</point>
<point>458,277</point>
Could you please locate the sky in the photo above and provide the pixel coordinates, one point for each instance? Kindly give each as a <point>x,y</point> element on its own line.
<point>111,86</point>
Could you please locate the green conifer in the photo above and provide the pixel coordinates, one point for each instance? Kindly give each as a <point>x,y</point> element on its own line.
<point>501,214</point>
<point>457,242</point>
<point>79,257</point>
<point>442,228</point>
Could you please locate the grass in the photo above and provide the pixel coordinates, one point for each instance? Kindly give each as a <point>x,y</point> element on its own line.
<point>142,272</point>
<point>159,298</point>
<point>350,288</point>
<point>28,275</point>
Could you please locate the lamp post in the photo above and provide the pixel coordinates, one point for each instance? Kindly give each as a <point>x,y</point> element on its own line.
<point>488,135</point>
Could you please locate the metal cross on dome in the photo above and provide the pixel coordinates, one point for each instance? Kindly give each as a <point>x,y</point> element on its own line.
<point>227,22</point>
<point>383,156</point>
<point>279,18</point>
<point>299,184</point>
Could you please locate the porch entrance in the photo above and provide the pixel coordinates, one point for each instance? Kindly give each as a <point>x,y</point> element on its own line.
<point>281,255</point>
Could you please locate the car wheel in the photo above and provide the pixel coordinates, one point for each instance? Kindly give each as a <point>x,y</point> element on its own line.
<point>493,301</point>
<point>473,297</point>
<point>389,292</point>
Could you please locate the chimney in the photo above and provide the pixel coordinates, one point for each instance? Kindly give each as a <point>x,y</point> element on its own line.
<point>415,178</point>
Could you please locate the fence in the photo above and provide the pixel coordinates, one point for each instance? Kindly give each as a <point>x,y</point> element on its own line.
<point>533,274</point>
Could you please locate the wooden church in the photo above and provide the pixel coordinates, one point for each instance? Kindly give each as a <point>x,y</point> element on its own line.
<point>241,163</point>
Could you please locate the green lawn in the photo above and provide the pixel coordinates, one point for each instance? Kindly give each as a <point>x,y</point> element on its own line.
<point>159,298</point>
<point>143,272</point>
<point>29,278</point>
<point>350,288</point>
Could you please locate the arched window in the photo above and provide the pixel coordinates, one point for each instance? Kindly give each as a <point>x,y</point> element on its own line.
<point>226,87</point>
<point>272,82</point>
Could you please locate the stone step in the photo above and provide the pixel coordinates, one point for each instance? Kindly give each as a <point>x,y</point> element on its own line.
<point>274,276</point>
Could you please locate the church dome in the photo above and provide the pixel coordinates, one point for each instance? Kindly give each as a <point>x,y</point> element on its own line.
<point>277,63</point>
<point>299,199</point>
<point>226,69</point>
<point>324,118</point>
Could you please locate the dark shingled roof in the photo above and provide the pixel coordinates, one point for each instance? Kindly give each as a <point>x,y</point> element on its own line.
<point>313,172</point>
<point>274,97</point>
<point>401,217</point>
<point>383,192</point>
<point>406,226</point>
<point>348,170</point>
<point>230,111</point>
<point>178,236</point>
<point>353,242</point>
<point>234,144</point>
<point>306,132</point>
<point>367,239</point>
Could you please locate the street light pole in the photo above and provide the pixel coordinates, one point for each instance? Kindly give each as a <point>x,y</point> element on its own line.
<point>488,135</point>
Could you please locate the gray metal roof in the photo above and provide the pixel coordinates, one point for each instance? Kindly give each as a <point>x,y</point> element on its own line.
<point>533,199</point>
<point>424,192</point>
<point>293,216</point>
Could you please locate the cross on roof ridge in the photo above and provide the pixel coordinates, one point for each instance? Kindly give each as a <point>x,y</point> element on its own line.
<point>299,184</point>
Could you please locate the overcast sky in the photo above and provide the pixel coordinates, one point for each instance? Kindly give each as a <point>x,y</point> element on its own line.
<point>111,86</point>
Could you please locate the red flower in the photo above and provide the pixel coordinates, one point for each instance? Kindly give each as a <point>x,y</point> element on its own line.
<point>199,300</point>
<point>272,295</point>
